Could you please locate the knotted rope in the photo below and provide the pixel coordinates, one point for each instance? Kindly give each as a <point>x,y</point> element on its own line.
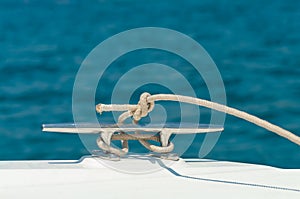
<point>146,105</point>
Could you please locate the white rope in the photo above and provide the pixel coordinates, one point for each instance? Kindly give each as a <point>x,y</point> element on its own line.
<point>146,105</point>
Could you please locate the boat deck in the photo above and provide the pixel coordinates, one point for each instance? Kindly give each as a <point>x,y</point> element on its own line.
<point>145,177</point>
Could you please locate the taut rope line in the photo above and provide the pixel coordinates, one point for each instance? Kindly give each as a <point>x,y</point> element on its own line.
<point>147,102</point>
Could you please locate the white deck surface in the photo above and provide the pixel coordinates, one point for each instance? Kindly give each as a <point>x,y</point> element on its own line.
<point>90,178</point>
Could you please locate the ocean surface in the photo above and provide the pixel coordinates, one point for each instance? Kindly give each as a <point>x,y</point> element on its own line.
<point>255,44</point>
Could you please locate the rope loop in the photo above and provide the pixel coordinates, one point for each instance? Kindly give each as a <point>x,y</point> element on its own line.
<point>143,107</point>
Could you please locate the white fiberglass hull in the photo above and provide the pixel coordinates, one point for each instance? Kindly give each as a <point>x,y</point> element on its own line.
<point>193,178</point>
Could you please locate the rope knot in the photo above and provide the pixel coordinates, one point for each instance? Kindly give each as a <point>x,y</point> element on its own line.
<point>143,107</point>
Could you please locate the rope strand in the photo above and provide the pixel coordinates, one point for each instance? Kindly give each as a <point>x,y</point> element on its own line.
<point>146,105</point>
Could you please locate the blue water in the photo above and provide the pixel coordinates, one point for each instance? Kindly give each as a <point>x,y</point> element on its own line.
<point>255,44</point>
